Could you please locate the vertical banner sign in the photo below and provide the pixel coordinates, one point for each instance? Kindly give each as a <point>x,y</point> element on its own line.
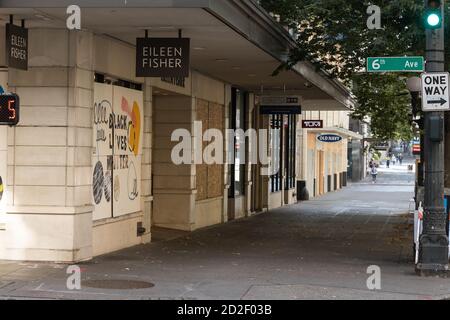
<point>162,57</point>
<point>16,47</point>
<point>416,146</point>
<point>118,134</point>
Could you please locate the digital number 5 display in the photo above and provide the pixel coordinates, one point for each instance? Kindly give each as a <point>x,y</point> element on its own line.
<point>9,109</point>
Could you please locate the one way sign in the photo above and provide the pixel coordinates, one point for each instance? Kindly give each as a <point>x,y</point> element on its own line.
<point>435,92</point>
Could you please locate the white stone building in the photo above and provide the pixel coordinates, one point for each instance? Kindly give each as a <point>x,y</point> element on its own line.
<point>72,192</point>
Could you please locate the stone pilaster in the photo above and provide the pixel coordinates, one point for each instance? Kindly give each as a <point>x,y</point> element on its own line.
<point>147,193</point>
<point>49,213</point>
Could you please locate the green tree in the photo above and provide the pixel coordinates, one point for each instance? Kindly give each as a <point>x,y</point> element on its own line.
<point>334,35</point>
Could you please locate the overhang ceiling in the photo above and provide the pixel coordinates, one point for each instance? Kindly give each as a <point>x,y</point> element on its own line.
<point>217,49</point>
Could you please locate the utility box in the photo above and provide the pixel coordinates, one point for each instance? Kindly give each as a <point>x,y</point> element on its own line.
<point>436,128</point>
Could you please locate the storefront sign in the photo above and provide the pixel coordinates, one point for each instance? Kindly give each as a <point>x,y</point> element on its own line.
<point>162,57</point>
<point>381,146</point>
<point>178,82</point>
<point>416,147</point>
<point>9,109</point>
<point>329,138</point>
<point>17,47</point>
<point>280,105</point>
<point>312,124</point>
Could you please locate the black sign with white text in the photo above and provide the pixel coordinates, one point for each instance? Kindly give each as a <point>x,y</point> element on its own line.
<point>280,105</point>
<point>9,109</point>
<point>311,124</point>
<point>162,57</point>
<point>17,47</point>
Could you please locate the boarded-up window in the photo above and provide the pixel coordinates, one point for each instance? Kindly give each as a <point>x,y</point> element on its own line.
<point>210,177</point>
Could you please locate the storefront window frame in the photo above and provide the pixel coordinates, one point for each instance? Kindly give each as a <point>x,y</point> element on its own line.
<point>290,151</point>
<point>239,98</point>
<point>276,124</point>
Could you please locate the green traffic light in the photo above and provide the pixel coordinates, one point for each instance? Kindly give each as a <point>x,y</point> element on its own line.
<point>433,20</point>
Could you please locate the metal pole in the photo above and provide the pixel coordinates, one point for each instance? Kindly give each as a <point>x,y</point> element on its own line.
<point>433,255</point>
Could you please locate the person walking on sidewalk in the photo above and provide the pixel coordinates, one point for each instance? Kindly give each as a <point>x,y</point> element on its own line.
<point>374,173</point>
<point>394,159</point>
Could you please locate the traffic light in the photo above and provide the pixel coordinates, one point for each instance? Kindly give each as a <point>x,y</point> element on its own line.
<point>9,109</point>
<point>433,15</point>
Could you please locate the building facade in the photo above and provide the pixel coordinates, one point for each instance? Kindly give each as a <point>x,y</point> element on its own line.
<point>89,169</point>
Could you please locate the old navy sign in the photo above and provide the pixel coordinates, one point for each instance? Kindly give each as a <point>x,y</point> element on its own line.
<point>16,47</point>
<point>329,138</point>
<point>312,124</point>
<point>163,57</point>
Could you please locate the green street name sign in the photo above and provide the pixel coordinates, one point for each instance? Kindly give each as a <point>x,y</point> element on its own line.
<point>395,64</point>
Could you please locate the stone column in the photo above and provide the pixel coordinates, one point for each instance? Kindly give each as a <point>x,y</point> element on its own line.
<point>248,157</point>
<point>49,213</point>
<point>146,175</point>
<point>3,162</point>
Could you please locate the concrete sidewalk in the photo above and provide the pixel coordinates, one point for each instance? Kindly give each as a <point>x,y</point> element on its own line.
<point>319,249</point>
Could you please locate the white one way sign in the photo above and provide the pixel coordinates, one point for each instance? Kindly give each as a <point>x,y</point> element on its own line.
<point>435,92</point>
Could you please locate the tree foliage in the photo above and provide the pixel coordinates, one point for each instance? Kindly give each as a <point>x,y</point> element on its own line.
<point>334,35</point>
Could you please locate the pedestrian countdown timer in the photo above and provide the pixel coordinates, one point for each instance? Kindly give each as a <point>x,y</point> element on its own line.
<point>9,109</point>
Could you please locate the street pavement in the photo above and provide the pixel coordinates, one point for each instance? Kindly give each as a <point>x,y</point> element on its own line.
<point>318,249</point>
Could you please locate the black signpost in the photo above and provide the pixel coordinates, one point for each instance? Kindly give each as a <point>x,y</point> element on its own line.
<point>17,46</point>
<point>162,57</point>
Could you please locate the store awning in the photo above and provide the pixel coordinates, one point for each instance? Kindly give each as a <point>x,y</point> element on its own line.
<point>234,41</point>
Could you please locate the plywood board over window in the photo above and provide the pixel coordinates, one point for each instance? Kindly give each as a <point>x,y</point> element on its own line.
<point>215,172</point>
<point>117,157</point>
<point>209,177</point>
<point>202,182</point>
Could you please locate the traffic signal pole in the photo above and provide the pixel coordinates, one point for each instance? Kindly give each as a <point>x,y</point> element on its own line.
<point>433,254</point>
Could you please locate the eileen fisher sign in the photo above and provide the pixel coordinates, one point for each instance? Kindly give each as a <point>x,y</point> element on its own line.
<point>162,57</point>
<point>17,47</point>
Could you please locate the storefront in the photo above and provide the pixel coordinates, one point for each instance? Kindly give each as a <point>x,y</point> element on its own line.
<point>90,167</point>
<point>324,165</point>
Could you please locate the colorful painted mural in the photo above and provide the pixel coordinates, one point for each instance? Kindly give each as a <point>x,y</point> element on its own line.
<point>117,158</point>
